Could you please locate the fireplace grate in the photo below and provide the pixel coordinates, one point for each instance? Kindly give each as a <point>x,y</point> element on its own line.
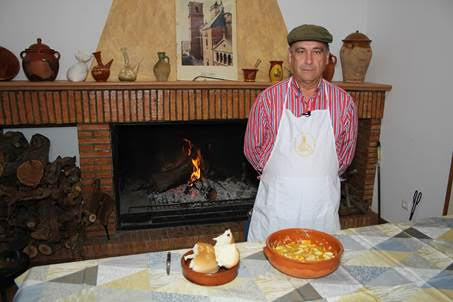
<point>187,213</point>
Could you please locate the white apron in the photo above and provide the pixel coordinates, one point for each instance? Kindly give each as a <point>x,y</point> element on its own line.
<point>299,186</point>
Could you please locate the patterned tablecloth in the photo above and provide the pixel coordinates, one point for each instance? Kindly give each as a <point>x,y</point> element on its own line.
<point>388,262</point>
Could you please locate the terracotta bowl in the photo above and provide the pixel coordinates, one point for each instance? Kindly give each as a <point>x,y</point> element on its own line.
<point>9,65</point>
<point>221,277</point>
<point>303,269</point>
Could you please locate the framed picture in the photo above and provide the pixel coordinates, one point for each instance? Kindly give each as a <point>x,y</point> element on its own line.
<point>206,39</point>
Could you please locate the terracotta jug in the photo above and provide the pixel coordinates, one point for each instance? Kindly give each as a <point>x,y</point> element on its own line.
<point>355,56</point>
<point>276,71</point>
<point>100,72</point>
<point>162,67</point>
<point>40,62</point>
<point>330,68</point>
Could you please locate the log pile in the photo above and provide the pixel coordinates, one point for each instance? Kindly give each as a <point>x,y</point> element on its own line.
<point>41,203</point>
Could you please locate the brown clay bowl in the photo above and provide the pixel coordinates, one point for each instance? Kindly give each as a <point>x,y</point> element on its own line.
<point>221,277</point>
<point>303,269</point>
<point>9,65</point>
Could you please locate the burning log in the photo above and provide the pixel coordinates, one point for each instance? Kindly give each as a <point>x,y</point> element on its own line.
<point>163,181</point>
<point>186,168</point>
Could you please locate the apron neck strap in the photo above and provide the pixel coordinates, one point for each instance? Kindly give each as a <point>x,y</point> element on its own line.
<point>288,86</point>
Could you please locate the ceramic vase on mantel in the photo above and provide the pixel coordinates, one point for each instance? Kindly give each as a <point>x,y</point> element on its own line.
<point>128,72</point>
<point>355,56</point>
<point>330,68</point>
<point>162,68</point>
<point>100,72</point>
<point>276,71</point>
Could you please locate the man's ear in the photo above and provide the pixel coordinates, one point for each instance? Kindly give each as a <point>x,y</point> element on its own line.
<point>327,57</point>
<point>289,56</point>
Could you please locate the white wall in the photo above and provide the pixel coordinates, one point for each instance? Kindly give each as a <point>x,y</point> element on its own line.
<point>63,25</point>
<point>411,44</point>
<point>63,140</point>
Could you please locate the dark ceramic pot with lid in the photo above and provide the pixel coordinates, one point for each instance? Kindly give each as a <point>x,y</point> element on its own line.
<point>40,62</point>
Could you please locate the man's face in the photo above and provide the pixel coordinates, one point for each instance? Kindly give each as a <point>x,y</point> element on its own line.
<point>308,60</point>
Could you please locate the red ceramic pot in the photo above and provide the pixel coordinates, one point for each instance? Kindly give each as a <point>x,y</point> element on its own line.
<point>40,62</point>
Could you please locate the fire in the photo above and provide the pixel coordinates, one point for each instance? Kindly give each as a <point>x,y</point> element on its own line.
<point>196,162</point>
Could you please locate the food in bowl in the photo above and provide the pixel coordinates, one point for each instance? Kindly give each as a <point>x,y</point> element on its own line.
<point>290,240</point>
<point>305,250</point>
<point>203,258</point>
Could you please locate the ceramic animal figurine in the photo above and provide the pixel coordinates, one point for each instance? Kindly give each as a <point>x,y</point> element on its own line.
<point>226,252</point>
<point>79,71</point>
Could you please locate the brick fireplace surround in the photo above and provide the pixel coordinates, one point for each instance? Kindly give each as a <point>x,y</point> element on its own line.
<point>93,106</point>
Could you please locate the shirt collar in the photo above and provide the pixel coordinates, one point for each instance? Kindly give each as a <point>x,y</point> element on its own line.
<point>320,88</point>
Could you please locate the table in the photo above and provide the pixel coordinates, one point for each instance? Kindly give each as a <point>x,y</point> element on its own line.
<point>388,262</point>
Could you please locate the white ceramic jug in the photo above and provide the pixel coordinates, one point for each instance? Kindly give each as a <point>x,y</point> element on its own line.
<point>79,71</point>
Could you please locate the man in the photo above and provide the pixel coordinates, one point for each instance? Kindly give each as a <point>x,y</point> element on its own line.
<point>301,135</point>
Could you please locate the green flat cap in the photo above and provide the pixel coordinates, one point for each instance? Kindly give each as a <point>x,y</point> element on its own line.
<point>309,32</point>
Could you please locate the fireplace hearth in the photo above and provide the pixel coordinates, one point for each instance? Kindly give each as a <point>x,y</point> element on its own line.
<point>171,174</point>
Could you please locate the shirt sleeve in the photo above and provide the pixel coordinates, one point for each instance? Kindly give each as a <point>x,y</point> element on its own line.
<point>348,136</point>
<point>256,135</point>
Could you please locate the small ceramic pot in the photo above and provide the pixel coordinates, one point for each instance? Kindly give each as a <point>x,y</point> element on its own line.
<point>249,74</point>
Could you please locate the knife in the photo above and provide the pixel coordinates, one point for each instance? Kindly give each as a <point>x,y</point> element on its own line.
<point>168,262</point>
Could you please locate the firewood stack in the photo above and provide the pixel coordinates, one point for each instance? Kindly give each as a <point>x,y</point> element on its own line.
<point>41,202</point>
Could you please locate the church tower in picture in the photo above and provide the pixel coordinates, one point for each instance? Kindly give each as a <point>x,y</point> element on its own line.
<point>195,22</point>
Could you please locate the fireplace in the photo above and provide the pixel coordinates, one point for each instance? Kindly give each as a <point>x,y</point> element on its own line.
<point>171,174</point>
<point>100,110</point>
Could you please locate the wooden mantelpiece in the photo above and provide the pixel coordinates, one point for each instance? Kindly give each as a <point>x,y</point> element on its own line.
<point>62,102</point>
<point>93,106</point>
<point>66,85</point>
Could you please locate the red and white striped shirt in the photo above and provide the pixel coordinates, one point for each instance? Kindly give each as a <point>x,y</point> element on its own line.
<point>266,112</point>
